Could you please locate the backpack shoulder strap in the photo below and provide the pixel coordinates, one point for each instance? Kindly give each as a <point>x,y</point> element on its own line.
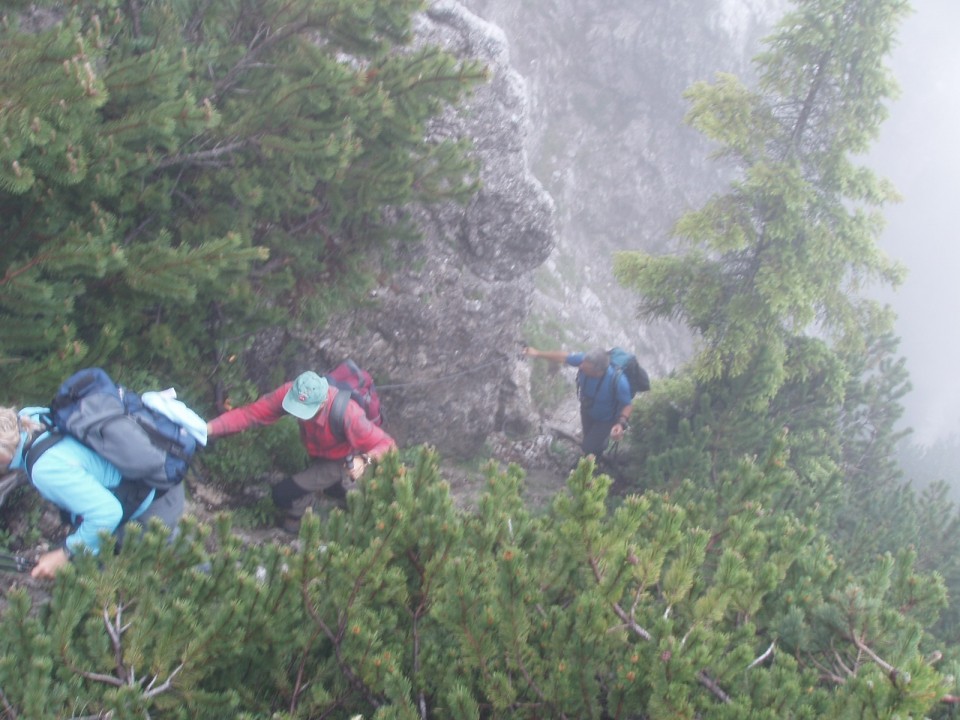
<point>34,450</point>
<point>615,384</point>
<point>338,411</point>
<point>615,381</point>
<point>354,368</point>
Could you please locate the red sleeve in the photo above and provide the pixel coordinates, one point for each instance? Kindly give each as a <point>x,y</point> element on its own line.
<point>363,435</point>
<point>265,411</point>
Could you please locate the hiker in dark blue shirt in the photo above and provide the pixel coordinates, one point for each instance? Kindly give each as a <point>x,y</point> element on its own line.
<point>605,396</point>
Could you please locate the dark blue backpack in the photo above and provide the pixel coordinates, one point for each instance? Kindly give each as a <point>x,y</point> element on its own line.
<point>112,420</point>
<point>626,363</point>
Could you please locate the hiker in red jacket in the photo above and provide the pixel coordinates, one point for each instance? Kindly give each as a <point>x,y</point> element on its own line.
<point>335,464</point>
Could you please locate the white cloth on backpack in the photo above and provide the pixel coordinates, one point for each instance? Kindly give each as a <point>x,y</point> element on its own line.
<point>165,402</point>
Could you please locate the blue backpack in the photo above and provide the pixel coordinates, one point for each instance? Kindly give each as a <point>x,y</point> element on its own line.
<point>626,363</point>
<point>144,445</point>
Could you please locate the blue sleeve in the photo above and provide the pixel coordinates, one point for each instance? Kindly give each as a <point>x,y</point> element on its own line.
<point>575,359</point>
<point>76,479</point>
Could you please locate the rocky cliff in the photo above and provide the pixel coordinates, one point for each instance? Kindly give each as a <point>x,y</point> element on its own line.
<point>441,333</point>
<point>584,152</point>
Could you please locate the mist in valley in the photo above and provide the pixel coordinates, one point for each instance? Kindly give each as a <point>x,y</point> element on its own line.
<point>919,152</point>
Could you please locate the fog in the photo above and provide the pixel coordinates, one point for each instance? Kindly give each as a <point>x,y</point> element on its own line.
<point>919,151</point>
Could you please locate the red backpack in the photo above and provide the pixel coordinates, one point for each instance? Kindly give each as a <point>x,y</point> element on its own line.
<point>359,387</point>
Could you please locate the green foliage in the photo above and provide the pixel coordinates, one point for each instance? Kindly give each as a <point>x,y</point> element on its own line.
<point>197,142</point>
<point>262,513</point>
<point>795,362</point>
<point>790,406</point>
<point>174,176</point>
<point>239,460</point>
<point>403,605</point>
<point>789,247</point>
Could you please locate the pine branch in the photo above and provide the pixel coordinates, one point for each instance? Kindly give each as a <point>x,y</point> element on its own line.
<point>206,157</point>
<point>850,672</point>
<point>893,673</point>
<point>9,711</point>
<point>115,631</point>
<point>632,624</point>
<point>533,685</point>
<point>37,260</point>
<point>299,686</point>
<point>336,638</point>
<point>828,673</point>
<point>415,634</point>
<point>711,685</point>
<point>628,620</point>
<point>134,8</point>
<point>255,49</point>
<point>766,654</point>
<point>124,676</point>
<point>152,692</point>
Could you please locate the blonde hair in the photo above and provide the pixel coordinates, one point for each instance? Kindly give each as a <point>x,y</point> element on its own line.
<point>10,427</point>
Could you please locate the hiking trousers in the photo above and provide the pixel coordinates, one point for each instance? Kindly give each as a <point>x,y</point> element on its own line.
<point>596,435</point>
<point>168,508</point>
<point>295,493</point>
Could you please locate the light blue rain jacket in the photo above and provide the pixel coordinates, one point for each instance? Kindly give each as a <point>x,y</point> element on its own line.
<point>74,478</point>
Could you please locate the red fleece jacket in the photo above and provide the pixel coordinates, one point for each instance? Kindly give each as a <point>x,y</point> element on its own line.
<point>362,435</point>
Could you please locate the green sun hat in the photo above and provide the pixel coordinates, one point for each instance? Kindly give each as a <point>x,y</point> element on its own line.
<point>306,396</point>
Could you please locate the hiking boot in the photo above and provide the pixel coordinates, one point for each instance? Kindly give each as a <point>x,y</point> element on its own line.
<point>286,493</point>
<point>335,493</point>
<point>331,498</point>
<point>289,524</point>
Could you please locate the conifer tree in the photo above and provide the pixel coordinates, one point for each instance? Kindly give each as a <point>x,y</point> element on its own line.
<point>796,365</point>
<point>772,273</point>
<point>789,247</point>
<point>175,175</point>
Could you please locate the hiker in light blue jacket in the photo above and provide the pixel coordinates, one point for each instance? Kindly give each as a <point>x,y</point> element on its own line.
<point>82,484</point>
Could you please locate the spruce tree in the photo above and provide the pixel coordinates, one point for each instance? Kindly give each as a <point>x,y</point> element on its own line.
<point>772,272</point>
<point>796,370</point>
<point>789,247</point>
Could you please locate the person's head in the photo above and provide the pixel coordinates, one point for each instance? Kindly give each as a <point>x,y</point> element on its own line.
<point>11,427</point>
<point>306,396</point>
<point>595,363</point>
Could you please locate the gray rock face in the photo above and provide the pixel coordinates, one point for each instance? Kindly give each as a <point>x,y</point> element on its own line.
<point>583,153</point>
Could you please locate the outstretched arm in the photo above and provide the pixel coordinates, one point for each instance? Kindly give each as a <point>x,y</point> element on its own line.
<point>557,356</point>
<point>365,438</point>
<point>264,411</point>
